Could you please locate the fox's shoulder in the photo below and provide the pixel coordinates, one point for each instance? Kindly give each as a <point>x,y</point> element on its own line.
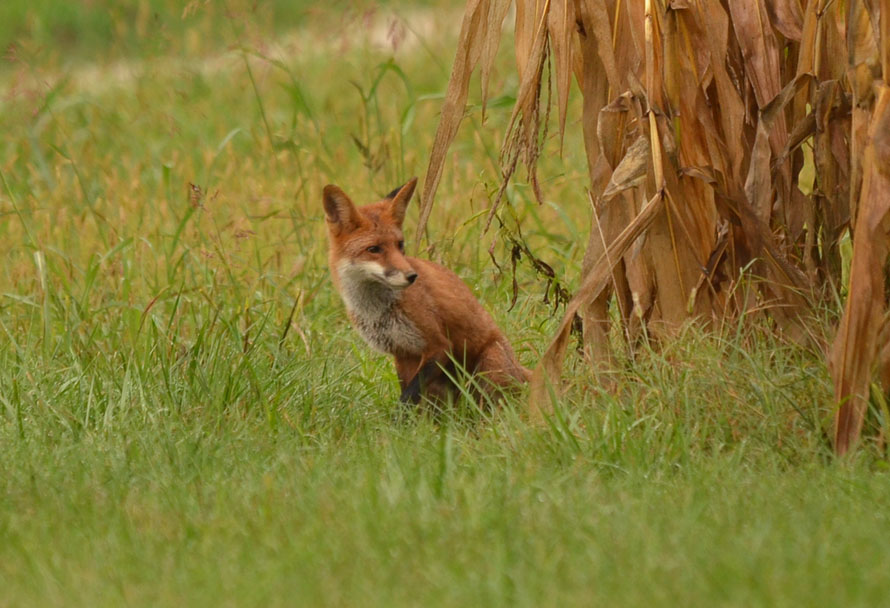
<point>442,290</point>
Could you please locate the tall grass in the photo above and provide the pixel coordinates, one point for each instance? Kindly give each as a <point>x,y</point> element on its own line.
<point>187,418</point>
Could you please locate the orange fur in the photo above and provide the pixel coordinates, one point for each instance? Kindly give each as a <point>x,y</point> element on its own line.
<point>418,311</point>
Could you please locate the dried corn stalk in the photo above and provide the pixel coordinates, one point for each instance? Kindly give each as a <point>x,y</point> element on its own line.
<point>861,344</point>
<point>696,114</point>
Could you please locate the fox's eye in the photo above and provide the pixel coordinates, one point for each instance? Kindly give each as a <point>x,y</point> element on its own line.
<point>374,249</point>
<point>401,245</point>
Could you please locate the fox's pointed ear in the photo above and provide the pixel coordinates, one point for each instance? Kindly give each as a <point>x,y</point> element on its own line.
<point>400,199</point>
<point>339,209</point>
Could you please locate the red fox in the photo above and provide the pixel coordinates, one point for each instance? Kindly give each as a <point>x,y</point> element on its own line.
<point>419,312</point>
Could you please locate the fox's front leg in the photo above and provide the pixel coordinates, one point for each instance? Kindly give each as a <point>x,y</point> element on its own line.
<point>429,378</point>
<point>406,369</point>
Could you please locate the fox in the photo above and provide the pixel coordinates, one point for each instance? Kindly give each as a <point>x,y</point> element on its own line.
<point>418,311</point>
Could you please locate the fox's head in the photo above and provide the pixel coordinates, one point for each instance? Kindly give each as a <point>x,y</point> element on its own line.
<point>367,244</point>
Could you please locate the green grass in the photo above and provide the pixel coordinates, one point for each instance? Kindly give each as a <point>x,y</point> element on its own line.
<point>186,417</point>
<point>69,32</point>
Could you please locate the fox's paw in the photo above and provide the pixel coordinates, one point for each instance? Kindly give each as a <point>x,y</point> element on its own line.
<point>411,393</point>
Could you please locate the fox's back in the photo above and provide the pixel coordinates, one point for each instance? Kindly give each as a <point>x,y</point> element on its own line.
<point>440,302</point>
<point>440,297</point>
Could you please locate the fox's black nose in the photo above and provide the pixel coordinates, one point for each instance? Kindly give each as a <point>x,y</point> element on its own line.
<point>411,276</point>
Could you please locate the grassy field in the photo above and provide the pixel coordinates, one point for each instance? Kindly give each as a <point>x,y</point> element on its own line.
<point>186,417</point>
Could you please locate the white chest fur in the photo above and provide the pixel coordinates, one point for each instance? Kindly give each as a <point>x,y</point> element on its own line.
<point>376,314</point>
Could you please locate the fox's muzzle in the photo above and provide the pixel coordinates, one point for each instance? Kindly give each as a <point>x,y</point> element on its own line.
<point>400,278</point>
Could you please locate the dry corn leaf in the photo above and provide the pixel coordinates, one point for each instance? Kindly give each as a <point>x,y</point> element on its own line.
<point>787,17</point>
<point>494,21</point>
<point>546,374</point>
<point>473,36</point>
<point>856,350</point>
<point>632,169</point>
<point>561,26</point>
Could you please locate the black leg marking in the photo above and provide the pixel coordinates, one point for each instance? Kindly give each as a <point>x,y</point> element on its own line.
<point>430,373</point>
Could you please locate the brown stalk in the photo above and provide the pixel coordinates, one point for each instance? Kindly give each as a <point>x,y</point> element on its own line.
<point>715,107</point>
